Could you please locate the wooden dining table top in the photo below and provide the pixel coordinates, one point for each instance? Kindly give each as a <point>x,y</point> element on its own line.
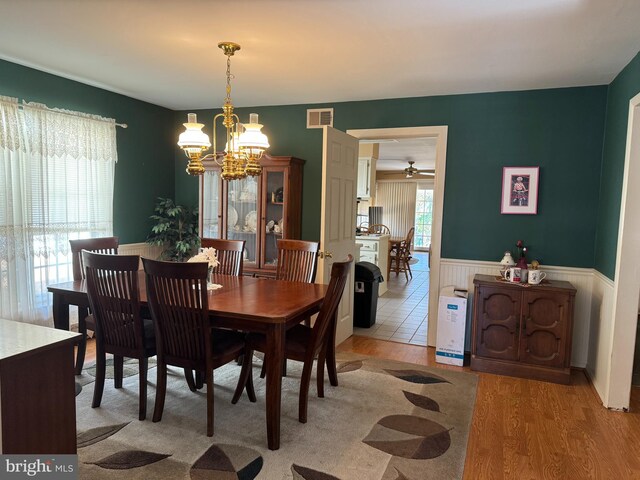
<point>243,297</point>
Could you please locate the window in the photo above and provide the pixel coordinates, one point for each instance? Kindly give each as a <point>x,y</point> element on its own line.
<point>56,183</point>
<point>424,217</point>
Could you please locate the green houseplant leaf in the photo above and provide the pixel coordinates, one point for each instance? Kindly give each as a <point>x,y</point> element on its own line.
<point>175,229</point>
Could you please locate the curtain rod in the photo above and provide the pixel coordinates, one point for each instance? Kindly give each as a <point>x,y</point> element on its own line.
<point>47,109</point>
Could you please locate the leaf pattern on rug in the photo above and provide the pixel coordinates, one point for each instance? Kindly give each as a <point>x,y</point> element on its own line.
<point>401,476</point>
<point>409,436</point>
<point>227,461</point>
<point>422,401</point>
<point>416,376</point>
<point>305,473</point>
<point>130,459</point>
<point>349,366</point>
<point>97,434</point>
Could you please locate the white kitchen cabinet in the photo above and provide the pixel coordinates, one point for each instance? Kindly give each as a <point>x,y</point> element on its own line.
<point>375,249</point>
<point>364,178</point>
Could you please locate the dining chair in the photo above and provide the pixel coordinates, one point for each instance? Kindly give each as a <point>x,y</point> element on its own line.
<point>303,343</point>
<point>297,260</point>
<point>379,229</point>
<point>178,297</point>
<point>108,245</point>
<point>229,254</point>
<point>112,287</point>
<point>402,257</point>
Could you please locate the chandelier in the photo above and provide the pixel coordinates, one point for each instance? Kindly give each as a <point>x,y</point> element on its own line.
<point>245,142</point>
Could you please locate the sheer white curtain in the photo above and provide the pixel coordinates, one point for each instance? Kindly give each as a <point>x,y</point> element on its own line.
<point>398,202</point>
<point>56,177</point>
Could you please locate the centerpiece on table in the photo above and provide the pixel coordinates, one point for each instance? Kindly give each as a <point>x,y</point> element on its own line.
<point>209,256</point>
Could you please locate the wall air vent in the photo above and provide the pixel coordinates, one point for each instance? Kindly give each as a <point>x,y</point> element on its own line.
<point>319,117</point>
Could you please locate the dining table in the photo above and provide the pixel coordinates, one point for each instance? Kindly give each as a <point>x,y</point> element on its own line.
<point>242,303</point>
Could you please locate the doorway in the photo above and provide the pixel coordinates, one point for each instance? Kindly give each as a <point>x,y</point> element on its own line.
<point>440,134</point>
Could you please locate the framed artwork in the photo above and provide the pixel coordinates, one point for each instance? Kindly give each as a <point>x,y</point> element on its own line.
<point>520,190</point>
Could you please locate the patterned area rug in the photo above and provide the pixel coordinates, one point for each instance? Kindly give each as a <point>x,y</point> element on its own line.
<point>386,420</point>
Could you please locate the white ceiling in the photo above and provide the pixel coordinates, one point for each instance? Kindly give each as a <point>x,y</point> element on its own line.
<point>396,155</point>
<point>308,51</point>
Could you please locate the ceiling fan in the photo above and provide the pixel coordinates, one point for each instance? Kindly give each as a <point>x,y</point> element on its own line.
<point>411,171</point>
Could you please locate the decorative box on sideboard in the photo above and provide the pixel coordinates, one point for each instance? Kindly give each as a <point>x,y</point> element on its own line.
<point>522,330</point>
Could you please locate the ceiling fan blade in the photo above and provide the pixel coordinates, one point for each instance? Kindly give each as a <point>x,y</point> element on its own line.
<point>430,174</point>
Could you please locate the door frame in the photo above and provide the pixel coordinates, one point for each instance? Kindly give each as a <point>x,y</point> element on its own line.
<point>440,133</point>
<point>626,287</point>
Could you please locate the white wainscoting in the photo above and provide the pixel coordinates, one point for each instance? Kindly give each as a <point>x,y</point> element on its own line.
<point>460,273</point>
<point>601,340</point>
<point>141,249</point>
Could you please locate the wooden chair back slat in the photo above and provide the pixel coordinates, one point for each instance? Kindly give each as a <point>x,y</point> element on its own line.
<point>328,311</point>
<point>107,245</point>
<point>379,229</point>
<point>177,295</point>
<point>229,254</point>
<point>112,286</point>
<point>297,260</point>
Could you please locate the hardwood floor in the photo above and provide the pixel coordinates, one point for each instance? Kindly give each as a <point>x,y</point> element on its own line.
<point>526,429</point>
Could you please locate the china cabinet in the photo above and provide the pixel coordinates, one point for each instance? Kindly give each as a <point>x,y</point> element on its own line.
<point>522,330</point>
<point>258,210</point>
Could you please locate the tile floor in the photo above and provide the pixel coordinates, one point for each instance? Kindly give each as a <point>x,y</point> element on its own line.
<point>402,311</point>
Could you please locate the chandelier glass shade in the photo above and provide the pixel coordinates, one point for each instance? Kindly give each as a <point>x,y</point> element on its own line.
<point>245,143</point>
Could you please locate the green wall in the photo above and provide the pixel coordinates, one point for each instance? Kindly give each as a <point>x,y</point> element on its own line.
<point>561,130</point>
<point>625,86</point>
<point>145,154</point>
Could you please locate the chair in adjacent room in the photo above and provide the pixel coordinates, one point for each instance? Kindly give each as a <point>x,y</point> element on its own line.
<point>400,260</point>
<point>112,287</point>
<point>379,229</point>
<point>185,337</point>
<point>229,254</point>
<point>304,343</point>
<point>108,245</point>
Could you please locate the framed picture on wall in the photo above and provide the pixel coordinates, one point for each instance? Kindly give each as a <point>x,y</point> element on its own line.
<point>520,190</point>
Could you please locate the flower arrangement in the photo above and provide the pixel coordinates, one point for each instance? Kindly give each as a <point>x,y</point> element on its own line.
<point>206,255</point>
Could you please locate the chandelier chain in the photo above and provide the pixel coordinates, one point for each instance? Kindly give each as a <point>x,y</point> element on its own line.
<point>229,77</point>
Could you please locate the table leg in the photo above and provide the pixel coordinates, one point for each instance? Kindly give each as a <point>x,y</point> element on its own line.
<point>275,359</point>
<point>60,312</point>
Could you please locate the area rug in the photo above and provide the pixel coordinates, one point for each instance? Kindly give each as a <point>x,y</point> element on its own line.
<point>386,420</point>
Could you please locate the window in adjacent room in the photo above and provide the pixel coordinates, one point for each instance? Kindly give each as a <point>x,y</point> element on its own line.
<point>424,217</point>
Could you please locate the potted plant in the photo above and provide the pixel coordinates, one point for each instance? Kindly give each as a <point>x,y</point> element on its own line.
<point>176,230</point>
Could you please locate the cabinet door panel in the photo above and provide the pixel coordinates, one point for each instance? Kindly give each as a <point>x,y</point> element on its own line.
<point>497,329</point>
<point>545,318</point>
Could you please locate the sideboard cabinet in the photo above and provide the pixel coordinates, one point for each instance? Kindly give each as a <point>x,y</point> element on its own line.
<point>258,210</point>
<point>522,330</point>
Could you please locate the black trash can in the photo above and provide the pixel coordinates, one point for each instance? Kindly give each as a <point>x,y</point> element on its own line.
<point>365,298</point>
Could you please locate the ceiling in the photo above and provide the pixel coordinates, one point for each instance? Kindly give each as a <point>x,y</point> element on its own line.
<point>396,155</point>
<point>305,51</point>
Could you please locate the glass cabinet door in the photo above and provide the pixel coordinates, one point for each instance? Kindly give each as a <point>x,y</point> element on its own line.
<point>273,200</point>
<point>242,216</point>
<point>210,209</point>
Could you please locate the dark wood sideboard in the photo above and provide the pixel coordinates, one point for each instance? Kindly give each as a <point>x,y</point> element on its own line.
<point>37,389</point>
<point>522,330</point>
